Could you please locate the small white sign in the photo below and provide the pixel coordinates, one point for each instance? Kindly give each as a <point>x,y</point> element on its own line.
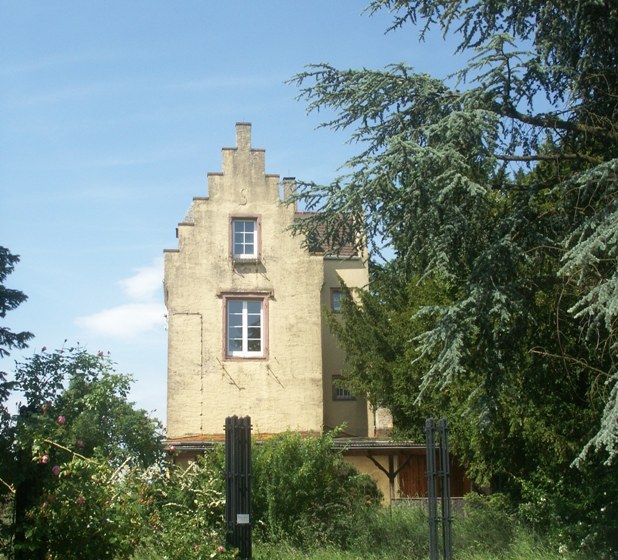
<point>242,518</point>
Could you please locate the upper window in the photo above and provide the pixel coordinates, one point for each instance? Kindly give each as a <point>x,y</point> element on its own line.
<point>245,328</point>
<point>245,238</point>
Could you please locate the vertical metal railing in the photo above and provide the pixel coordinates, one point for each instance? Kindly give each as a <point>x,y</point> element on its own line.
<point>432,504</point>
<point>238,483</point>
<point>438,472</point>
<point>445,475</point>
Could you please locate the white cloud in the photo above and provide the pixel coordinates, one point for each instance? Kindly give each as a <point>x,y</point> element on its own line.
<point>125,321</point>
<point>143,314</point>
<point>145,284</point>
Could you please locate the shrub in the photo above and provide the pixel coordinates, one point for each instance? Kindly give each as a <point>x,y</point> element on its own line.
<point>305,493</point>
<point>572,514</point>
<point>486,527</point>
<point>399,532</point>
<point>185,512</point>
<point>85,511</point>
<point>75,429</point>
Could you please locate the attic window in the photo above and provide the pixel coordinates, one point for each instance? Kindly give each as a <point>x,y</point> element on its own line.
<point>245,238</point>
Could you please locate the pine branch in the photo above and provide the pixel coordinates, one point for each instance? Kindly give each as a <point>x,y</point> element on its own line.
<point>549,157</point>
<point>553,122</point>
<point>571,359</point>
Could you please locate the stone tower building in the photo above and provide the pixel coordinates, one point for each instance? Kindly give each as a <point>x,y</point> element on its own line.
<point>245,300</point>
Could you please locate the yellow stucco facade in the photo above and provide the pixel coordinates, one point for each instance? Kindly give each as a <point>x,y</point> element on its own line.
<point>247,333</point>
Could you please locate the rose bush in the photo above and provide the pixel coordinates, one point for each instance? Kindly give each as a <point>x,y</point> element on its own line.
<point>185,512</point>
<point>90,508</point>
<point>74,430</point>
<point>87,509</point>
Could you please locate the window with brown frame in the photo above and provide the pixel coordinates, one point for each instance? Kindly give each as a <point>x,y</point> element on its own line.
<point>245,242</point>
<point>245,327</point>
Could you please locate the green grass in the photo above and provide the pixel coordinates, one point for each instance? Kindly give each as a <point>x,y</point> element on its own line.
<point>403,533</point>
<point>522,547</point>
<point>486,534</point>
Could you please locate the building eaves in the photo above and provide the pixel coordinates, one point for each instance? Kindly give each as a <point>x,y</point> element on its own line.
<point>347,250</point>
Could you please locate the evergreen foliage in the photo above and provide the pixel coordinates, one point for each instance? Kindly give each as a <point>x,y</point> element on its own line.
<point>496,189</point>
<point>9,299</point>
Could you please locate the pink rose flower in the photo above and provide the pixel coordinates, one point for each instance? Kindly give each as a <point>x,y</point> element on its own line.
<point>100,353</point>
<point>61,419</point>
<point>55,470</point>
<point>220,548</point>
<point>171,449</point>
<point>44,459</point>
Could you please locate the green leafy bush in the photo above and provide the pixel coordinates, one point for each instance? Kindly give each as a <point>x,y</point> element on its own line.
<point>185,508</point>
<point>572,514</point>
<point>306,494</point>
<point>75,444</point>
<point>399,532</point>
<point>87,510</point>
<point>487,526</point>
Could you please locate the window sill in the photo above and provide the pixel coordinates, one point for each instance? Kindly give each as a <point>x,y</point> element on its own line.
<point>246,260</point>
<point>245,358</point>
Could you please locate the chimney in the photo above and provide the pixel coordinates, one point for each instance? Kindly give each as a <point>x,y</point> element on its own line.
<point>243,136</point>
<point>289,188</point>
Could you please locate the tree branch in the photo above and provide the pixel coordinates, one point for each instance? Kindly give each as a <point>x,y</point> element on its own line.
<point>9,486</point>
<point>571,359</point>
<point>549,157</point>
<point>550,121</point>
<point>69,450</point>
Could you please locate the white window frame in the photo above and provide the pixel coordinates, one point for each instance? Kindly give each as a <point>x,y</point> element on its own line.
<point>234,233</point>
<point>244,326</point>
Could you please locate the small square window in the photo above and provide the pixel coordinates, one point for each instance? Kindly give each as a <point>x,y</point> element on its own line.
<point>244,238</point>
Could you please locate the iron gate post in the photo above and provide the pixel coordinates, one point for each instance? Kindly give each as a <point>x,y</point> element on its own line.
<point>238,484</point>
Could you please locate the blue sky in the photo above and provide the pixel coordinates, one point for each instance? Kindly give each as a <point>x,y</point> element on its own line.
<point>112,113</point>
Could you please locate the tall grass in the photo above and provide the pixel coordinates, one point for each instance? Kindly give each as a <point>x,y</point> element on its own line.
<point>403,533</point>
